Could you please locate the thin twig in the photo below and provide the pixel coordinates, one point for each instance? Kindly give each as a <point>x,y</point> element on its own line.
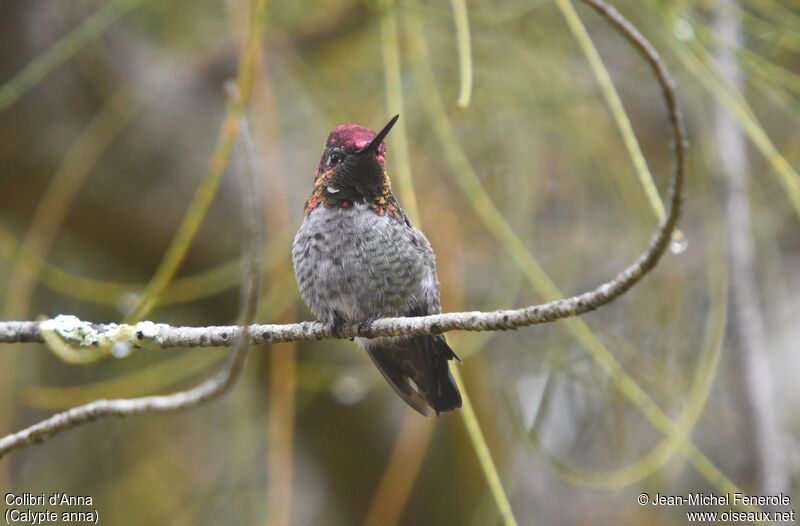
<point>28,331</point>
<point>615,106</point>
<point>207,189</point>
<point>211,388</point>
<point>167,336</point>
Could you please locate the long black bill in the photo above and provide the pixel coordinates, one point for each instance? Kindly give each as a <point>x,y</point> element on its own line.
<point>373,146</point>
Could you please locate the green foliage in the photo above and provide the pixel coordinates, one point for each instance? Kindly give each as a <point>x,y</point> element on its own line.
<point>545,183</point>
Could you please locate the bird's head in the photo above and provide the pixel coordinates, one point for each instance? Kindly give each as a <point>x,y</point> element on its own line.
<point>352,167</point>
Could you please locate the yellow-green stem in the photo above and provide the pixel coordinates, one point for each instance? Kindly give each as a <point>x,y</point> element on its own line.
<point>614,104</point>
<point>464,41</point>
<point>390,46</point>
<point>482,450</point>
<point>198,208</point>
<point>91,28</point>
<point>496,224</point>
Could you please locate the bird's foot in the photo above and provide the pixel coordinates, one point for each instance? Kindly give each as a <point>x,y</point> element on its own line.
<point>337,325</point>
<point>365,326</point>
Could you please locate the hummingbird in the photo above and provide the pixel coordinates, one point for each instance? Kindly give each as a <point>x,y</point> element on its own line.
<point>357,257</point>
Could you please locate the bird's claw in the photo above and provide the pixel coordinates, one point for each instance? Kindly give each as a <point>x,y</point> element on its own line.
<point>337,325</point>
<point>365,326</point>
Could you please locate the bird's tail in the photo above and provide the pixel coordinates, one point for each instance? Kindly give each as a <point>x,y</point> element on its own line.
<point>417,368</point>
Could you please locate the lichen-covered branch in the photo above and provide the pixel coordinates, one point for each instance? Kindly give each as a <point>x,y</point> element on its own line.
<point>149,334</point>
<point>80,334</point>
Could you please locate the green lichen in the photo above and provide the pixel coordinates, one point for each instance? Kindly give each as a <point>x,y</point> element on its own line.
<point>77,341</point>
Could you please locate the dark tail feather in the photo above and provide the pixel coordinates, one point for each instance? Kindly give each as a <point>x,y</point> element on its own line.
<point>417,370</point>
<point>444,395</point>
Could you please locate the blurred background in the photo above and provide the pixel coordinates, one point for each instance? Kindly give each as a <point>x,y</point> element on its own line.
<point>520,165</point>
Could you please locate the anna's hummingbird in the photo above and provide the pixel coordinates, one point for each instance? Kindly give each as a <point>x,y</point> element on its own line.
<point>357,257</point>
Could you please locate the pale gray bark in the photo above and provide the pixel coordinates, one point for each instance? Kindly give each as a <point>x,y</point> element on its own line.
<point>150,334</point>
<point>213,387</point>
<point>763,431</point>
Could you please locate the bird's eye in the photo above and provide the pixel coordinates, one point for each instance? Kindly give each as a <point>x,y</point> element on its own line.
<point>335,158</point>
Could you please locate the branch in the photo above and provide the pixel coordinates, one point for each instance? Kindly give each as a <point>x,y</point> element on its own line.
<point>81,334</point>
<point>84,334</point>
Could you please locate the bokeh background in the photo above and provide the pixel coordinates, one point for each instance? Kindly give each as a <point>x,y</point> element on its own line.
<point>113,113</point>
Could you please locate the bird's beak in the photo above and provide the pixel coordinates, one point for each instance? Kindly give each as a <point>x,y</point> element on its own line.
<point>376,142</point>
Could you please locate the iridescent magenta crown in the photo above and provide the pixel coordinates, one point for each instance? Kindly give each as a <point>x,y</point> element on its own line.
<point>352,138</point>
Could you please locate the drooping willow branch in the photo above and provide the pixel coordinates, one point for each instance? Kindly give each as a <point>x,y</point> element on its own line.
<point>149,334</point>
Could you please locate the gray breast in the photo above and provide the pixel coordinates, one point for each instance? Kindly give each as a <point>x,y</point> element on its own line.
<point>355,264</point>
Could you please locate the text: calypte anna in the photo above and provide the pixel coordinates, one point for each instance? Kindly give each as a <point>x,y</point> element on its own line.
<point>357,257</point>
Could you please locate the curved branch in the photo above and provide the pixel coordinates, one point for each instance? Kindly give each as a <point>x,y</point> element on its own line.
<point>213,387</point>
<point>18,332</point>
<point>167,336</point>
